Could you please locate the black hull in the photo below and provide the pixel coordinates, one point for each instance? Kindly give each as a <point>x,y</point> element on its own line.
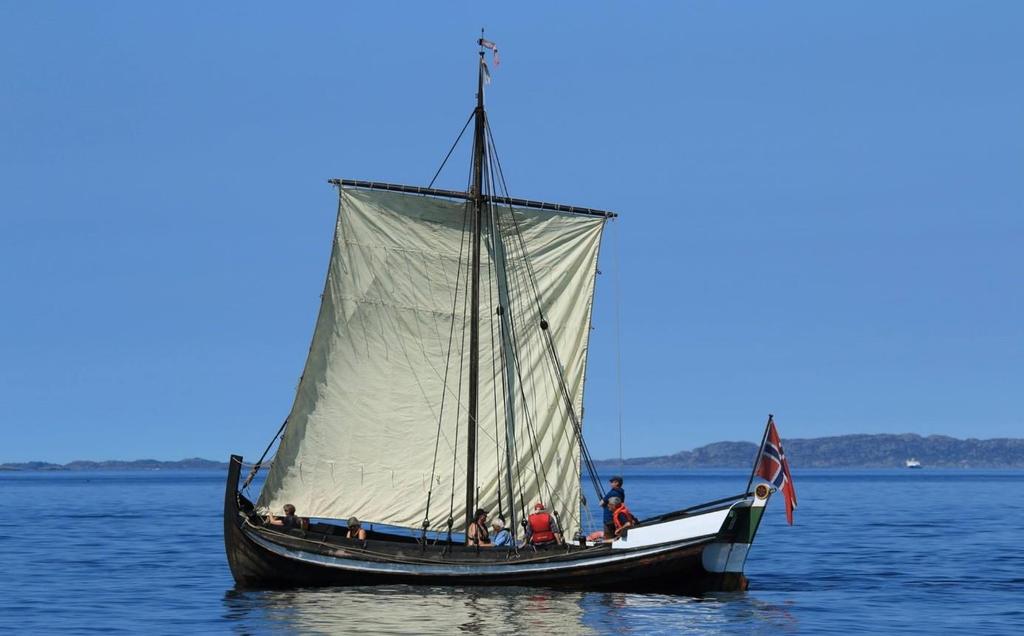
<point>261,558</point>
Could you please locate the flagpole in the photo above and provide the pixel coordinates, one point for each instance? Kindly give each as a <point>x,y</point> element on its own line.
<point>760,449</point>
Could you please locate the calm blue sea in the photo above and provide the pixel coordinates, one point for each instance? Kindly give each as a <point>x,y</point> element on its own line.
<point>896,551</point>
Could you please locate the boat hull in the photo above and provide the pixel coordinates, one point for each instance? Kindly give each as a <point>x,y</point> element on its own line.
<point>261,557</point>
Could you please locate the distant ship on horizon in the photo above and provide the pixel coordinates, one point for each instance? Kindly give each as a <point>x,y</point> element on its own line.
<point>912,463</point>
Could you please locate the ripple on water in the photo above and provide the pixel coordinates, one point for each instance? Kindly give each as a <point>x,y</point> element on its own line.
<point>870,552</point>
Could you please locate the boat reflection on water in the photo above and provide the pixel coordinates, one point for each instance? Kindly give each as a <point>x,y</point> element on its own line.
<point>406,609</point>
<point>489,610</point>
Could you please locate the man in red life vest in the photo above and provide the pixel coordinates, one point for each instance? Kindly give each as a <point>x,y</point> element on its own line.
<point>621,516</point>
<point>542,527</point>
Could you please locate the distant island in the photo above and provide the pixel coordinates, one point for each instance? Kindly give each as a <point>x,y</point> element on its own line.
<point>850,451</point>
<point>114,464</point>
<point>844,451</point>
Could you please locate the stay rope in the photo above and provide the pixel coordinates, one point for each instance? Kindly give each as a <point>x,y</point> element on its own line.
<point>492,277</point>
<point>455,450</point>
<point>584,451</point>
<point>539,480</point>
<point>259,463</point>
<point>451,150</point>
<point>447,366</point>
<point>618,339</point>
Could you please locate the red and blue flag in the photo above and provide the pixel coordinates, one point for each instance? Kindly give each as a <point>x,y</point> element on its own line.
<point>773,467</point>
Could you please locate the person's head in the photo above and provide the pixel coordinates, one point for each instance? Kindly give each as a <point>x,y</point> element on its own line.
<point>616,481</point>
<point>353,523</point>
<point>614,502</point>
<point>480,515</point>
<point>498,524</point>
<point>289,509</point>
<point>538,507</point>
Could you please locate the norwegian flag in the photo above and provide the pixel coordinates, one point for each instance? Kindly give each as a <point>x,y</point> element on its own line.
<point>773,467</point>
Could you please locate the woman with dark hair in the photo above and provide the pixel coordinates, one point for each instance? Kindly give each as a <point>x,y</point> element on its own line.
<point>355,529</point>
<point>476,533</point>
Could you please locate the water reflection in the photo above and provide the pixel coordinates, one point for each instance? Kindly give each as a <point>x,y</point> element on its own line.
<point>405,609</point>
<point>502,610</point>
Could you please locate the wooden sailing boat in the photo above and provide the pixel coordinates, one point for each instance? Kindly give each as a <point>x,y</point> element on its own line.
<point>446,374</point>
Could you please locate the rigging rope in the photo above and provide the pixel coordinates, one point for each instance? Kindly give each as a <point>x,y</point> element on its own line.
<point>618,340</point>
<point>521,282</point>
<point>450,150</point>
<point>455,451</point>
<point>567,436</point>
<point>541,482</point>
<point>584,451</point>
<point>447,365</point>
<point>492,276</point>
<point>259,463</point>
<point>514,451</point>
<point>511,338</point>
<point>515,340</point>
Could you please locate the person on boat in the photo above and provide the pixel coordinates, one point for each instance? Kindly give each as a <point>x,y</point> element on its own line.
<point>289,521</point>
<point>355,529</point>
<point>621,517</point>
<point>615,491</point>
<point>502,537</point>
<point>542,527</point>
<point>476,533</point>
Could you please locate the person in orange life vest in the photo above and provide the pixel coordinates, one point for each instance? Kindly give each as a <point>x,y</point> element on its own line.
<point>542,527</point>
<point>476,533</point>
<point>615,491</point>
<point>621,516</point>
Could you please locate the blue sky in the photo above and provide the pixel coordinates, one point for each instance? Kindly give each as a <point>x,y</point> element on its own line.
<point>821,206</point>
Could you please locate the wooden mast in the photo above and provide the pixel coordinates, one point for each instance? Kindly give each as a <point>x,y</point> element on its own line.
<point>476,192</point>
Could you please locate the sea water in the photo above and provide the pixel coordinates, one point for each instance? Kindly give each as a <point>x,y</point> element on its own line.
<point>896,551</point>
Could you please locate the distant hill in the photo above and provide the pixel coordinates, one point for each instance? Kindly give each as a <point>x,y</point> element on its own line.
<point>844,451</point>
<point>137,464</point>
<point>851,451</point>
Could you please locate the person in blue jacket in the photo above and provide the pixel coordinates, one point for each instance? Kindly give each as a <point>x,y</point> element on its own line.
<point>615,491</point>
<point>502,537</point>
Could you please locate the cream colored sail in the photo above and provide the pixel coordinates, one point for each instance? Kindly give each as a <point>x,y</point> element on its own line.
<point>361,435</point>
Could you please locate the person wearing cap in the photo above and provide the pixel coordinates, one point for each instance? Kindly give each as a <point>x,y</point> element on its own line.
<point>542,527</point>
<point>355,529</point>
<point>502,537</point>
<point>476,533</point>
<point>615,491</point>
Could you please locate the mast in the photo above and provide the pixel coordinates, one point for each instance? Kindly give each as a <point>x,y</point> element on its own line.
<point>477,201</point>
